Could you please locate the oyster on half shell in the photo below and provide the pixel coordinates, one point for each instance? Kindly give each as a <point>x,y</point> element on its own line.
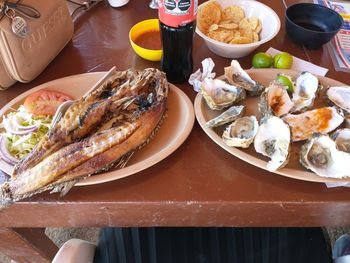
<point>275,100</point>
<point>235,75</point>
<point>340,96</point>
<point>241,132</point>
<point>342,139</point>
<point>347,121</point>
<point>218,94</point>
<point>305,91</point>
<point>227,116</point>
<point>320,155</point>
<point>322,120</point>
<point>273,140</point>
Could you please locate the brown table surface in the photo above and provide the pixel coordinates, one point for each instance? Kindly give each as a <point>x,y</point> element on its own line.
<point>199,184</point>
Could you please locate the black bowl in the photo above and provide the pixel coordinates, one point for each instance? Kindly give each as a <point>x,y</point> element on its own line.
<point>311,25</point>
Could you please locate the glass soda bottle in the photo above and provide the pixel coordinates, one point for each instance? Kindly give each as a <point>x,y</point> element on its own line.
<point>177,25</point>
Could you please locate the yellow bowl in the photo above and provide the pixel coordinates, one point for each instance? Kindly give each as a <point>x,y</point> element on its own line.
<point>138,29</point>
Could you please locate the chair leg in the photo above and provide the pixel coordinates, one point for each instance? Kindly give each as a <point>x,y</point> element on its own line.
<point>27,245</point>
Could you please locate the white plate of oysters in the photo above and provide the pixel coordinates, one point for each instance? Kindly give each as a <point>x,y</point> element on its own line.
<point>303,134</point>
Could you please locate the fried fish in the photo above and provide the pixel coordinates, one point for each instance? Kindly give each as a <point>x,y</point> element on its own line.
<point>98,132</point>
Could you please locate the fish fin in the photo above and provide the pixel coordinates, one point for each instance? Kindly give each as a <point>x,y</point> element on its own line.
<point>120,163</point>
<point>124,160</point>
<point>63,188</point>
<point>5,196</point>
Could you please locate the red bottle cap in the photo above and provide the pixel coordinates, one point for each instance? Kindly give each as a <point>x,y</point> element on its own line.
<point>175,13</point>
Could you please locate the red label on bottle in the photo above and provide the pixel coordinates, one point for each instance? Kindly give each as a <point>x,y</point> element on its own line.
<point>175,13</point>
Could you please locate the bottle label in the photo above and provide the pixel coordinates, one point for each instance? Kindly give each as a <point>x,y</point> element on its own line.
<point>175,13</point>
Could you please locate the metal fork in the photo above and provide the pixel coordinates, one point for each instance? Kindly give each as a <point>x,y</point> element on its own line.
<point>64,106</point>
<point>59,113</point>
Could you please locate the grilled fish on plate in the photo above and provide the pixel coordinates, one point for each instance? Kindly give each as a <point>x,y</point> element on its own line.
<point>97,132</point>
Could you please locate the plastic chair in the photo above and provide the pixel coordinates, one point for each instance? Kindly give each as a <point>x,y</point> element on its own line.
<point>341,250</point>
<point>75,251</point>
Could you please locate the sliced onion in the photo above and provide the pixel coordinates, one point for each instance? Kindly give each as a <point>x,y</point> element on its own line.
<point>24,115</point>
<point>19,126</point>
<point>4,152</point>
<point>9,123</point>
<point>21,132</point>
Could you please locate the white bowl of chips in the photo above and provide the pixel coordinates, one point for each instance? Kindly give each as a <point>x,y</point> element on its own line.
<point>235,28</point>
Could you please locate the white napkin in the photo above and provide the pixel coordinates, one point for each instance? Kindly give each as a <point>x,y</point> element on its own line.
<point>301,65</point>
<point>197,77</point>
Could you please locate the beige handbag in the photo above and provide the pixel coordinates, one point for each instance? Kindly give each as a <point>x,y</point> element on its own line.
<point>32,33</point>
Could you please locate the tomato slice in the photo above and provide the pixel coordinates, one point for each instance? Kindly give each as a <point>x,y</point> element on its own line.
<point>45,102</point>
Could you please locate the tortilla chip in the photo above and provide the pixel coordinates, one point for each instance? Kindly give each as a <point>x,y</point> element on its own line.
<point>221,35</point>
<point>233,13</point>
<point>254,22</point>
<point>258,28</point>
<point>209,14</point>
<point>229,26</point>
<point>213,27</point>
<point>256,37</point>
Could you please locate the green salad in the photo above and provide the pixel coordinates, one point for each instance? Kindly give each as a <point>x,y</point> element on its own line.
<point>22,131</point>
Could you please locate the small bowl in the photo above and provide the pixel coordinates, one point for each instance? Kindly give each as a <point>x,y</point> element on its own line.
<point>137,30</point>
<point>311,25</point>
<point>270,27</point>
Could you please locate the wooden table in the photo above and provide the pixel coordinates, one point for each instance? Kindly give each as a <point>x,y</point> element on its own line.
<point>198,185</point>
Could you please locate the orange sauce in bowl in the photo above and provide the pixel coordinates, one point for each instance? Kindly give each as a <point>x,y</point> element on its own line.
<point>149,40</point>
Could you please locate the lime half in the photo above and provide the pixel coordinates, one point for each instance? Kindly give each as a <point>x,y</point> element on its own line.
<point>283,60</point>
<point>286,81</point>
<point>262,60</point>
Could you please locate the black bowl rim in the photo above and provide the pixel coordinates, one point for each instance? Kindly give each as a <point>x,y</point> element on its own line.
<point>314,31</point>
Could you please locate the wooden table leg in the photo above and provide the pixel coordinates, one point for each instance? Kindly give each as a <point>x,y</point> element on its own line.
<point>27,244</point>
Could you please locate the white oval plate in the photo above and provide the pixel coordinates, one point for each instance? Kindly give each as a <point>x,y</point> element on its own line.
<point>293,169</point>
<point>170,136</point>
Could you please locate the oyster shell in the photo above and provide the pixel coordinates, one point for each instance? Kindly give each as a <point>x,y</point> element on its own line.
<point>241,132</point>
<point>347,121</point>
<point>342,139</point>
<point>273,140</point>
<point>340,96</point>
<point>229,115</point>
<point>235,75</point>
<point>323,120</point>
<point>321,156</point>
<point>275,100</point>
<point>219,95</point>
<point>305,91</point>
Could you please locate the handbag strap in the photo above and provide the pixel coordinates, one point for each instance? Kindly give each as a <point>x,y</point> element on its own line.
<point>23,9</point>
<point>84,6</point>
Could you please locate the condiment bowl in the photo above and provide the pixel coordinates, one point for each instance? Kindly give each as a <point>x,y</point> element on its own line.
<point>270,27</point>
<point>311,25</point>
<point>139,29</point>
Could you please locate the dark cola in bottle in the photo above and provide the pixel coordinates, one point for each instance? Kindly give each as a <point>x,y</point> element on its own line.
<point>177,25</point>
